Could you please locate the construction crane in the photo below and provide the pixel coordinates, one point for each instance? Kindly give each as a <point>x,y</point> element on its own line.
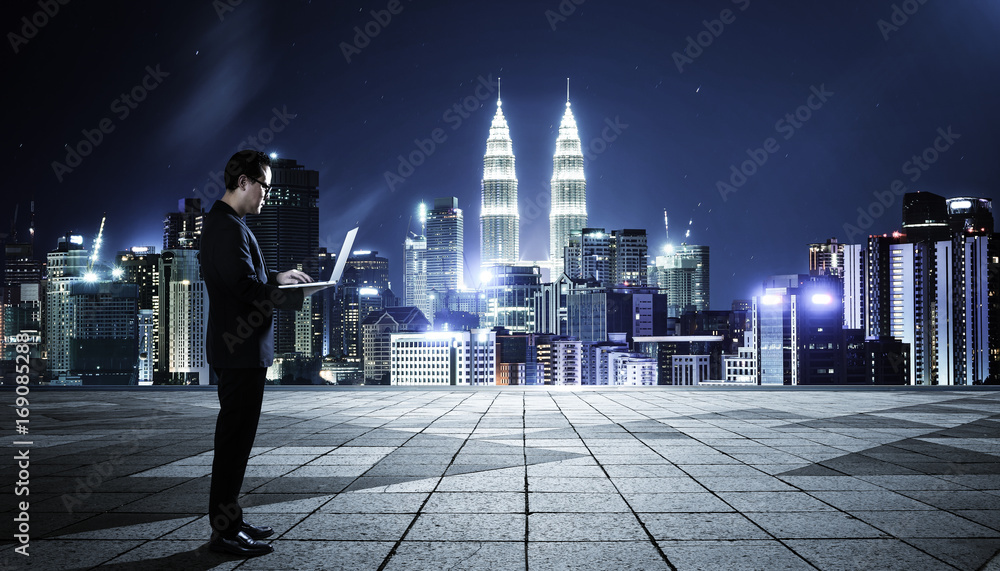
<point>90,275</point>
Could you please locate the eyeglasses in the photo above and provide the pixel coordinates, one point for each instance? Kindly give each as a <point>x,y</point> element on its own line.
<point>263,185</point>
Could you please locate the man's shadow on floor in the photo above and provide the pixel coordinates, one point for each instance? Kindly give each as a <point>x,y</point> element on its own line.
<point>199,559</point>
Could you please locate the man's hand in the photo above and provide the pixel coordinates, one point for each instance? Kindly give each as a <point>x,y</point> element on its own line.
<point>293,277</point>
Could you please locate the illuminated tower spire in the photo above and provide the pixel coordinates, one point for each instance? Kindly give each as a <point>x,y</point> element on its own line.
<point>569,188</point>
<point>499,220</point>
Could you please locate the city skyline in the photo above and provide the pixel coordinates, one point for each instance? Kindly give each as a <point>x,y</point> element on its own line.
<point>663,120</point>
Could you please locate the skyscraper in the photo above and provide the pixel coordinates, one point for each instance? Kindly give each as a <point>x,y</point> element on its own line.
<point>629,257</point>
<point>363,288</point>
<point>510,297</point>
<point>498,219</point>
<point>66,266</point>
<point>588,256</point>
<point>140,265</point>
<point>415,268</point>
<point>932,287</point>
<point>445,250</point>
<point>182,229</point>
<point>569,188</point>
<point>183,318</point>
<point>287,230</point>
<point>684,273</point>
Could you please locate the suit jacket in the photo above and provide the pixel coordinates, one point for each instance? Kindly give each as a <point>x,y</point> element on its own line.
<point>242,294</point>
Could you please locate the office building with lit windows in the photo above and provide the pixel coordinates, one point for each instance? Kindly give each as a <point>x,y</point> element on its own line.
<point>140,265</point>
<point>287,231</point>
<point>66,266</point>
<point>447,358</point>
<point>415,268</point>
<point>183,314</point>
<point>182,229</point>
<point>799,334</point>
<point>588,256</point>
<point>103,343</point>
<point>445,247</point>
<point>376,332</point>
<point>629,258</point>
<point>933,288</point>
<point>510,297</point>
<point>826,259</point>
<point>682,273</point>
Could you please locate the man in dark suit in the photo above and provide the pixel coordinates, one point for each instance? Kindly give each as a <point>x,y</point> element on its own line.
<point>239,342</point>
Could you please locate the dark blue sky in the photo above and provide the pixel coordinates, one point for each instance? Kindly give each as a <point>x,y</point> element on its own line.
<point>224,69</point>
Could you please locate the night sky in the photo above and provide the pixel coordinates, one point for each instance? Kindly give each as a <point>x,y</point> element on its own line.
<point>218,72</point>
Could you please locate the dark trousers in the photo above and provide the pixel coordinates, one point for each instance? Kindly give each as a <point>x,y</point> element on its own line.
<point>241,392</point>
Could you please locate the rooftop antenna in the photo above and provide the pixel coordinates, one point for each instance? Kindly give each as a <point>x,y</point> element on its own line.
<point>666,224</point>
<point>498,91</point>
<point>567,91</point>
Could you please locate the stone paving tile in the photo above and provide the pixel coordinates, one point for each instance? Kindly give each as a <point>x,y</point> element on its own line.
<point>475,502</point>
<point>887,554</point>
<point>774,502</point>
<point>549,484</point>
<point>924,524</point>
<point>583,527</point>
<point>353,502</point>
<point>677,502</point>
<point>458,555</point>
<point>865,500</point>
<point>55,554</point>
<point>670,526</point>
<point>816,525</point>
<point>326,555</point>
<point>744,484</point>
<point>989,518</point>
<point>467,527</point>
<point>124,527</point>
<point>572,502</point>
<point>964,553</point>
<point>280,503</point>
<point>343,527</point>
<point>952,500</point>
<point>174,554</point>
<point>610,556</point>
<point>740,555</point>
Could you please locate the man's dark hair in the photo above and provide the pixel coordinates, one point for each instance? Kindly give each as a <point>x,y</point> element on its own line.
<point>248,162</point>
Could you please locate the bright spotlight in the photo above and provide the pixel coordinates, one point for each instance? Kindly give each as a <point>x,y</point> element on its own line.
<point>771,299</point>
<point>90,277</point>
<point>117,273</point>
<point>822,299</point>
<point>485,276</point>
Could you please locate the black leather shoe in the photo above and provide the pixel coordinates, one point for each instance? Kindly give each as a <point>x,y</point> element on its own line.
<point>256,532</point>
<point>242,545</point>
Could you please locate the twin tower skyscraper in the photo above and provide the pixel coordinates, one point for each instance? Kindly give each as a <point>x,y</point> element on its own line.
<point>499,221</point>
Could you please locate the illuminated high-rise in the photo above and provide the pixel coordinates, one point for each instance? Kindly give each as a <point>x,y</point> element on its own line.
<point>415,268</point>
<point>287,231</point>
<point>498,218</point>
<point>569,189</point>
<point>66,266</point>
<point>445,252</point>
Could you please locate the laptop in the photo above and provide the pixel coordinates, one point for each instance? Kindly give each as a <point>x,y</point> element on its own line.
<point>338,268</point>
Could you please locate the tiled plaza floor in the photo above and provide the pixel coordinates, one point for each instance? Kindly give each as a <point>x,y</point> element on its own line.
<point>523,478</point>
